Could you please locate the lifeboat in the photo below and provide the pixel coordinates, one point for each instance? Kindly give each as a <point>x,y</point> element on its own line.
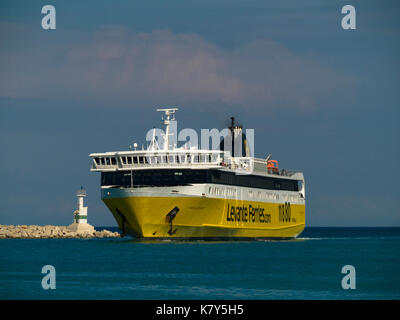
<point>272,166</point>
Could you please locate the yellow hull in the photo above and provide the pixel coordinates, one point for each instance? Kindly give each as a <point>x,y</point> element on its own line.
<point>206,218</point>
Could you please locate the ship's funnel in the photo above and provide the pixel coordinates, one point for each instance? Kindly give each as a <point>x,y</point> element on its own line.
<point>235,141</point>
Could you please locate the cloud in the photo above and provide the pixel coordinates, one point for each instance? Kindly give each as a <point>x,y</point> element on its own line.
<point>115,64</point>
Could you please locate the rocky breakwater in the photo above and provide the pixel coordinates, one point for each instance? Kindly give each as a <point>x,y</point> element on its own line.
<point>36,232</point>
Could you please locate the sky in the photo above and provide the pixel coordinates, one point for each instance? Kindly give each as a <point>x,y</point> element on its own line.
<point>321,99</point>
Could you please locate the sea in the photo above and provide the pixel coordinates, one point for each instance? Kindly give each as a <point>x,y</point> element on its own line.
<point>309,267</point>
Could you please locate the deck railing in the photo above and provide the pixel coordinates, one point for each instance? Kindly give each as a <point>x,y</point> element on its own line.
<point>133,160</point>
<point>142,160</point>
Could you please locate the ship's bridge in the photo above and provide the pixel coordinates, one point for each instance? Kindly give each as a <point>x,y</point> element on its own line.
<point>135,160</point>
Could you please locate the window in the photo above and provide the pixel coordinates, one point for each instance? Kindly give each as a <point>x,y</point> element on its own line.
<point>167,177</point>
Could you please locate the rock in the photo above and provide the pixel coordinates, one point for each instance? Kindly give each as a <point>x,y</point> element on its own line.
<point>48,231</point>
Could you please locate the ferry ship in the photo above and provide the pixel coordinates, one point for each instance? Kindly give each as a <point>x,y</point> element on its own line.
<point>170,192</point>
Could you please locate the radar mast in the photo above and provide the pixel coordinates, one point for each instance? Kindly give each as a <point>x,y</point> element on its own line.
<point>169,116</point>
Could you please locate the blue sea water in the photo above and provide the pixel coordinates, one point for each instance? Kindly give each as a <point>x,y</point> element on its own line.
<point>306,268</point>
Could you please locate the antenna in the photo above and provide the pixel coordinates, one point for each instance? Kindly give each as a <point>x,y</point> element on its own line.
<point>153,143</point>
<point>169,116</point>
<point>169,112</point>
<point>233,135</point>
